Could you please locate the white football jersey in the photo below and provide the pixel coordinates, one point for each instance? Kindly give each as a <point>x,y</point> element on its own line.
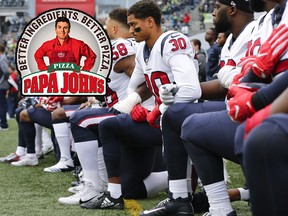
<point>254,42</point>
<point>171,60</point>
<point>117,87</point>
<point>231,54</point>
<point>267,30</point>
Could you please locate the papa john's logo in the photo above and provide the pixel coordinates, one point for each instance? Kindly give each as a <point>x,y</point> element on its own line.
<point>64,51</point>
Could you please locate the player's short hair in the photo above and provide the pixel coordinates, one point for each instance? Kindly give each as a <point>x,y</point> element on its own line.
<point>120,15</point>
<point>62,19</point>
<point>196,42</point>
<point>144,9</point>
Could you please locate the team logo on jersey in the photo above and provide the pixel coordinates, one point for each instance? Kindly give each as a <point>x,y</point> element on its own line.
<point>54,59</point>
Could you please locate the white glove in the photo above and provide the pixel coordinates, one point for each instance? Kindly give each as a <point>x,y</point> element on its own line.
<point>167,93</point>
<point>126,105</point>
<point>163,108</point>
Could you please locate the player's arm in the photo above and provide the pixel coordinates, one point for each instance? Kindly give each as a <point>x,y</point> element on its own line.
<point>39,57</point>
<point>212,90</point>
<point>186,78</point>
<point>280,105</point>
<point>125,65</point>
<point>90,57</point>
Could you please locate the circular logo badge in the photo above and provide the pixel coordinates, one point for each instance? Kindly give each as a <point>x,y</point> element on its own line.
<point>64,51</point>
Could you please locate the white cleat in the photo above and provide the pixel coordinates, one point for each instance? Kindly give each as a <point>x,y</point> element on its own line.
<point>77,188</point>
<point>64,165</point>
<point>88,192</point>
<point>26,161</point>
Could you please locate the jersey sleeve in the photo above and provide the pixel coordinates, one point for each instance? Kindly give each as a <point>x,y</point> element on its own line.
<point>122,48</point>
<point>174,44</point>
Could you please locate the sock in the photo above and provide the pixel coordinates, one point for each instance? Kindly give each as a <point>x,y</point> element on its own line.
<point>46,139</point>
<point>244,194</point>
<point>38,141</point>
<point>156,182</point>
<point>62,134</point>
<point>88,156</point>
<point>218,197</point>
<point>178,188</point>
<point>31,155</point>
<point>102,169</point>
<point>20,151</point>
<point>189,175</point>
<point>115,190</point>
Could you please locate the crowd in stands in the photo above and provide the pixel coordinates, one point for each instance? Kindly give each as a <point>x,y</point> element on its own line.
<point>147,138</point>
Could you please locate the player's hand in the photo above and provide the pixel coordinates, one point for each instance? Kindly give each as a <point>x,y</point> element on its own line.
<point>245,64</point>
<point>139,113</point>
<point>126,105</point>
<point>256,119</point>
<point>26,102</point>
<point>49,104</point>
<point>153,117</point>
<point>43,101</point>
<point>167,93</point>
<point>239,105</point>
<point>270,52</point>
<point>58,99</point>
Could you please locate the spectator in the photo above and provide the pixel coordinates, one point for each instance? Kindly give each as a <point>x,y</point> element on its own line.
<point>202,19</point>
<point>222,37</point>
<point>200,55</point>
<point>4,86</point>
<point>13,92</point>
<point>213,54</point>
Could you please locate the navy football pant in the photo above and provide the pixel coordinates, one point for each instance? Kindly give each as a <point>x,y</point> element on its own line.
<point>208,138</point>
<point>265,161</point>
<point>175,153</point>
<point>131,151</point>
<point>39,116</point>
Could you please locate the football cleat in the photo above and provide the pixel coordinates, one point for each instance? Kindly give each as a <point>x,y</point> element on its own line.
<point>218,213</point>
<point>63,165</point>
<point>104,201</point>
<point>47,149</point>
<point>76,188</point>
<point>170,206</point>
<point>10,158</point>
<point>26,161</point>
<point>200,202</point>
<point>87,193</point>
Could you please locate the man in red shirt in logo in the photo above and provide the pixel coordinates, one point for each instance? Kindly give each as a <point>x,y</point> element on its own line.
<point>63,48</point>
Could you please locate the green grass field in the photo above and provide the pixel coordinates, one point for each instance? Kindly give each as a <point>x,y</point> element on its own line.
<point>28,191</point>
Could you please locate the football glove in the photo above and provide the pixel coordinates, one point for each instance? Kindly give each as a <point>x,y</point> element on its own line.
<point>126,105</point>
<point>139,113</point>
<point>52,100</point>
<point>167,93</point>
<point>245,64</point>
<point>153,117</point>
<point>49,103</point>
<point>26,102</point>
<point>239,105</point>
<point>270,52</point>
<point>256,119</point>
